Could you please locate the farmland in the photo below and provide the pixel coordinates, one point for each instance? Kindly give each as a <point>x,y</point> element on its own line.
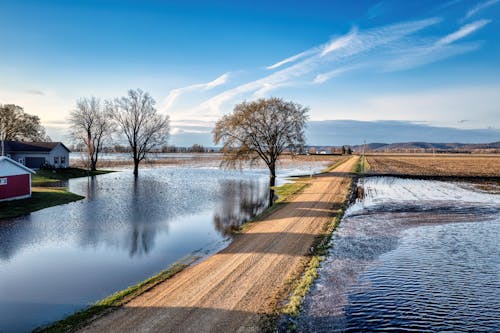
<point>480,166</point>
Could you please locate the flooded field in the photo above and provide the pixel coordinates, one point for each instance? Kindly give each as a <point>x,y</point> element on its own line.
<point>58,260</point>
<point>414,255</point>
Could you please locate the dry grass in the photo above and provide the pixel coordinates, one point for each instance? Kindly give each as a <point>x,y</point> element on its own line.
<point>439,165</point>
<point>209,160</point>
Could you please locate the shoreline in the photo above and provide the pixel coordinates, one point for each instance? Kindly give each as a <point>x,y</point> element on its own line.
<point>106,305</point>
<point>76,321</point>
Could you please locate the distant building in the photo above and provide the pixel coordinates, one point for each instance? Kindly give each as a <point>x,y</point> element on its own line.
<point>15,180</point>
<point>37,154</point>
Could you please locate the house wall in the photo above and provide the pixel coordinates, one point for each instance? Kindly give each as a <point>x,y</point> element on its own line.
<point>59,151</point>
<point>22,156</point>
<point>17,187</point>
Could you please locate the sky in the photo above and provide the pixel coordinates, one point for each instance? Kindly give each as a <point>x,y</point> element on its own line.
<point>359,66</point>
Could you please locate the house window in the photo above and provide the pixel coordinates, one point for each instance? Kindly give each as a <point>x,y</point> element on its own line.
<point>63,159</point>
<point>3,181</point>
<point>56,159</point>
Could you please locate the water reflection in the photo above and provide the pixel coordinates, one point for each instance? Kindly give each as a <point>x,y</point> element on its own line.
<point>241,201</point>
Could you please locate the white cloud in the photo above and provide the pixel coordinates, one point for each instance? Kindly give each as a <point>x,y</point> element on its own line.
<point>175,93</point>
<point>292,59</point>
<point>462,32</point>
<point>323,77</point>
<point>480,6</point>
<point>339,43</point>
<point>334,53</point>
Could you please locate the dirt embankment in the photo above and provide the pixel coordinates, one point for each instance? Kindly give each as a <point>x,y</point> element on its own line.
<point>232,290</point>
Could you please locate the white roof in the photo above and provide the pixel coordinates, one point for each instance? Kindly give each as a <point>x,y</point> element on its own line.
<point>9,167</point>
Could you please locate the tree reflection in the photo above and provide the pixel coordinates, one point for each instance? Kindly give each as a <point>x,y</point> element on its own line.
<point>143,220</point>
<point>241,201</point>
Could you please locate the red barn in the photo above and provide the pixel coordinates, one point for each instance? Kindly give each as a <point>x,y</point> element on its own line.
<point>15,180</point>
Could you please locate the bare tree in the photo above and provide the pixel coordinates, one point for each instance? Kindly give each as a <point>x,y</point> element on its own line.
<point>140,123</point>
<point>261,129</point>
<point>17,125</point>
<point>91,125</point>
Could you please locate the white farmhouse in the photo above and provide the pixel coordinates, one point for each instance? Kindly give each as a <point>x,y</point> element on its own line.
<point>35,155</point>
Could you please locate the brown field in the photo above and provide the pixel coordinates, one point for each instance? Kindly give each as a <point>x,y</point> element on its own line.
<point>486,166</point>
<point>208,160</point>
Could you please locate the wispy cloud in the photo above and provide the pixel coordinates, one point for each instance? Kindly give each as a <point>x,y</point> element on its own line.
<point>175,93</point>
<point>393,47</point>
<point>292,59</point>
<point>35,92</point>
<point>339,43</point>
<point>376,10</point>
<point>323,77</point>
<point>462,32</point>
<point>335,53</point>
<point>479,7</point>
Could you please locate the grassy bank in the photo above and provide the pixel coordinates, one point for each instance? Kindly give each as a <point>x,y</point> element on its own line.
<point>102,307</point>
<point>42,197</point>
<point>56,175</point>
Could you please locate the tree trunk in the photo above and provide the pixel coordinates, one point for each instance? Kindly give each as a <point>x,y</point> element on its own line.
<point>272,183</point>
<point>136,167</point>
<point>93,165</point>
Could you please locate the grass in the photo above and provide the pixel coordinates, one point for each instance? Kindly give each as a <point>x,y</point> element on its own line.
<point>41,197</point>
<point>102,307</point>
<point>56,175</point>
<point>362,166</point>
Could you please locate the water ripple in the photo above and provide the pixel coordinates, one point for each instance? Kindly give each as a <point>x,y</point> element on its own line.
<point>411,265</point>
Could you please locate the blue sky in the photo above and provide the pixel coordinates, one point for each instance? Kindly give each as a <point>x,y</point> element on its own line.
<point>421,62</point>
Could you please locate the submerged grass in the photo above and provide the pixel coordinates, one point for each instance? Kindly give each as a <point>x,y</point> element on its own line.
<point>41,197</point>
<point>102,307</point>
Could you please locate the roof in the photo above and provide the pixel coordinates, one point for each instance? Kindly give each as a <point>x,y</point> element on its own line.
<point>17,146</point>
<point>19,165</point>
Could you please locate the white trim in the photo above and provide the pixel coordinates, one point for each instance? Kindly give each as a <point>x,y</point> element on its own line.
<point>17,198</point>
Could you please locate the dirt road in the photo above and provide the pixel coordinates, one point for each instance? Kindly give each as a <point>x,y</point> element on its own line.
<point>229,291</point>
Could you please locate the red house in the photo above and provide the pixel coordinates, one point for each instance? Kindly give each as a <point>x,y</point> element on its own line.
<point>15,180</point>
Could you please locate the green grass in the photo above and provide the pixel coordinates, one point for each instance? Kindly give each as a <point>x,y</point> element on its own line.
<point>55,175</point>
<point>363,166</point>
<point>102,307</point>
<point>41,197</point>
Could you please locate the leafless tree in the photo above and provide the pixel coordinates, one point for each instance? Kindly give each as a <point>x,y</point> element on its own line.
<point>261,129</point>
<point>17,125</point>
<point>91,124</point>
<point>141,124</point>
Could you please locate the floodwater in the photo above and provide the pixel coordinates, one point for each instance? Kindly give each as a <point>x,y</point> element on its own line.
<point>60,259</point>
<point>414,255</point>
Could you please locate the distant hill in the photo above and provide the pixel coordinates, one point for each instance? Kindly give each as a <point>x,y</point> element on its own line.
<point>429,146</point>
<point>452,147</point>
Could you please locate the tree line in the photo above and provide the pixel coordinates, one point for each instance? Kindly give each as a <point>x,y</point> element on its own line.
<point>258,130</point>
